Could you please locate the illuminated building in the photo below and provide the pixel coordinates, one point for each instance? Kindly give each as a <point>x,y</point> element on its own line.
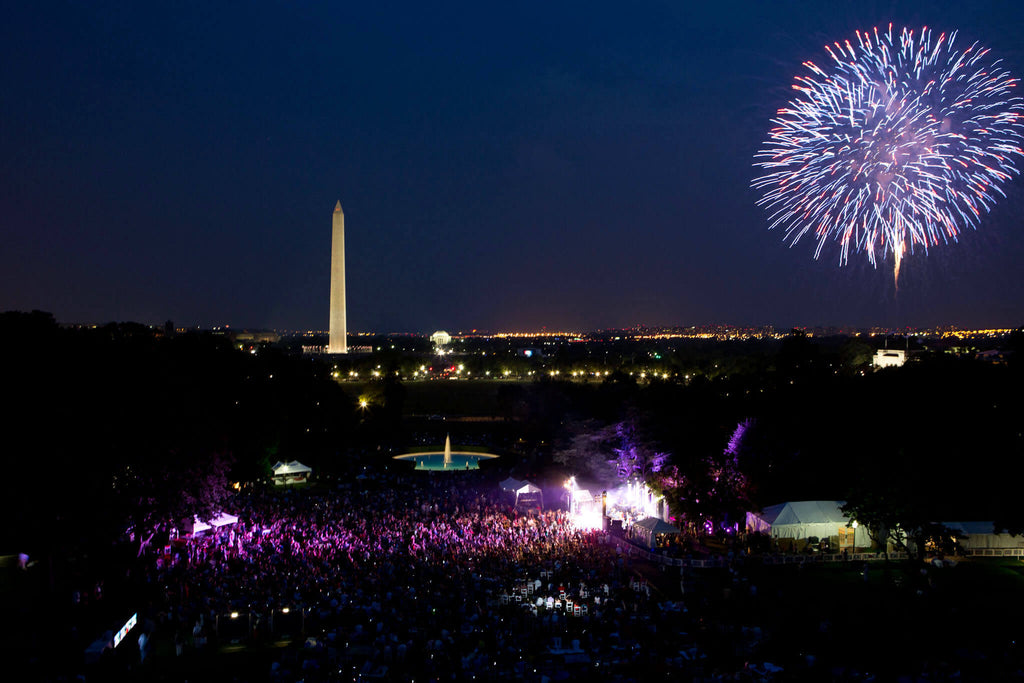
<point>889,358</point>
<point>440,339</point>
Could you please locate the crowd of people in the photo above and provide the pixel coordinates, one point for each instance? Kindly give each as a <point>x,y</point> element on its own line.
<point>440,577</point>
<point>431,578</point>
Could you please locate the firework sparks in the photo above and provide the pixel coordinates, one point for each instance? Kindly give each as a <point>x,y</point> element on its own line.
<point>899,144</point>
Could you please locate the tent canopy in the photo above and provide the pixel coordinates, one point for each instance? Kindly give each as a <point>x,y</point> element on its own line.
<point>293,467</point>
<point>653,526</point>
<point>806,512</point>
<point>511,484</point>
<point>804,519</point>
<point>293,472</point>
<point>531,493</point>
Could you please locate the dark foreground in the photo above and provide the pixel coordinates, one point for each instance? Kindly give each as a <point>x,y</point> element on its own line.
<point>431,578</point>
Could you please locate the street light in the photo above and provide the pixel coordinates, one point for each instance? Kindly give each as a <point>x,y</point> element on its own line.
<point>854,543</point>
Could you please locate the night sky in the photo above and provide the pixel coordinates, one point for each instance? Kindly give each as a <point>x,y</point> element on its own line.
<point>502,166</point>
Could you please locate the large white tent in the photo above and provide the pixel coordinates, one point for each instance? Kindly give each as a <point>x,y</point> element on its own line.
<point>982,536</point>
<point>293,472</point>
<point>801,520</point>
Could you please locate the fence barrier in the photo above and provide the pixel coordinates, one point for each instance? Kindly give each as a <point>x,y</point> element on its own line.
<point>819,558</point>
<point>722,561</point>
<point>995,552</point>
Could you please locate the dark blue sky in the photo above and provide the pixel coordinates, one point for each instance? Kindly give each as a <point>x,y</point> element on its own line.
<point>501,166</point>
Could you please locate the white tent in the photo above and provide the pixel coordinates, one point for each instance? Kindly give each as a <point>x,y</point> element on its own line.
<point>293,472</point>
<point>530,492</point>
<point>223,519</point>
<point>801,520</point>
<point>511,484</point>
<point>982,536</point>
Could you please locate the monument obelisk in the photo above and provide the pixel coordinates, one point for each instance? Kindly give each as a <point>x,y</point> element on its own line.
<point>338,340</point>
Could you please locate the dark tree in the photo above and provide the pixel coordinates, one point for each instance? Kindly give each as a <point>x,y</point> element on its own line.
<point>183,486</point>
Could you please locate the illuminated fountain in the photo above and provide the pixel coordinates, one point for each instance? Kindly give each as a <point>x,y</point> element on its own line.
<point>446,460</point>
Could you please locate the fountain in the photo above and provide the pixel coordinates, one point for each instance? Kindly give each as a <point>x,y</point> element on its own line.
<point>446,460</point>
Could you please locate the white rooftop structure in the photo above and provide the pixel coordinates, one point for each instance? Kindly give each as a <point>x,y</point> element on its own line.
<point>293,472</point>
<point>801,520</point>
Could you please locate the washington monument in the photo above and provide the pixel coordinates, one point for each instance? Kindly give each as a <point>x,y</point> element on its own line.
<point>338,341</point>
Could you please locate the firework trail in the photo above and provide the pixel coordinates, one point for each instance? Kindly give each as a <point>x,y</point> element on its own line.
<point>897,145</point>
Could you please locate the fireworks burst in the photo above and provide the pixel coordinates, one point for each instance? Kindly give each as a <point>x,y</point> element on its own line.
<point>901,142</point>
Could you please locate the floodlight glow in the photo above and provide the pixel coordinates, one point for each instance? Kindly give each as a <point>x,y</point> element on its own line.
<point>586,521</point>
